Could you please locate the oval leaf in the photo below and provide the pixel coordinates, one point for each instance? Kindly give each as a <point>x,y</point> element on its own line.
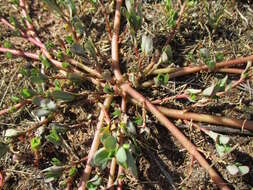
<point>42,112</point>
<point>121,155</point>
<point>232,169</point>
<point>101,157</point>
<point>243,169</point>
<point>110,143</point>
<point>223,139</point>
<point>61,95</point>
<point>147,44</point>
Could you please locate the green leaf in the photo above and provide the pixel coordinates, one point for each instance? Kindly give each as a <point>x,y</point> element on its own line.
<point>72,172</point>
<point>69,40</point>
<point>7,44</point>
<point>210,63</point>
<point>147,45</point>
<point>101,157</point>
<point>93,183</point>
<point>53,6</point>
<point>45,62</point>
<point>243,170</point>
<point>61,95</point>
<point>56,162</point>
<point>116,113</point>
<point>110,143</point>
<point>138,120</point>
<point>37,77</point>
<point>220,149</point>
<point>49,45</point>
<point>53,172</point>
<point>57,85</point>
<point>219,57</point>
<point>131,163</point>
<point>162,79</point>
<point>77,49</point>
<point>107,89</point>
<point>41,112</point>
<point>90,47</point>
<point>15,2</point>
<point>76,78</point>
<point>15,98</point>
<point>35,143</point>
<point>172,18</point>
<point>4,148</point>
<point>121,156</point>
<point>53,137</point>
<point>133,15</point>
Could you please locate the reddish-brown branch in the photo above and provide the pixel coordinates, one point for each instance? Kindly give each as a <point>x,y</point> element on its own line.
<point>120,183</point>
<point>20,53</point>
<point>112,173</point>
<point>1,180</point>
<point>180,114</point>
<point>115,44</point>
<point>94,146</point>
<point>189,70</point>
<point>15,107</point>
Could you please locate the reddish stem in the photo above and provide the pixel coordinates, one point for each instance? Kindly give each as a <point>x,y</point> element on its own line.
<point>1,180</point>
<point>180,114</point>
<point>94,146</point>
<point>16,107</point>
<point>20,53</point>
<point>189,70</point>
